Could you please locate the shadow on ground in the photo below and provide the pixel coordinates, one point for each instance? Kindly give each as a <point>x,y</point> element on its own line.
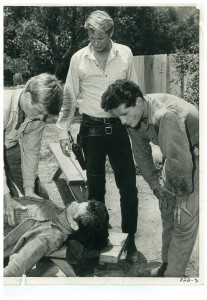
<point>126,269</point>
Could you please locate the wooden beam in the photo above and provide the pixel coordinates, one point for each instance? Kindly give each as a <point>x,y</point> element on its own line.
<point>69,165</point>
<point>64,266</point>
<point>113,252</point>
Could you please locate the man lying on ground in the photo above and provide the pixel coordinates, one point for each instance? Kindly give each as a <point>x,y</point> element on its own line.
<point>44,227</point>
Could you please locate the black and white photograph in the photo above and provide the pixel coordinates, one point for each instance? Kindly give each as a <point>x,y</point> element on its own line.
<point>102,109</point>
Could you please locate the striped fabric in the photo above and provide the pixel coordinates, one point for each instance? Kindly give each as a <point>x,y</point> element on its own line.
<point>37,209</point>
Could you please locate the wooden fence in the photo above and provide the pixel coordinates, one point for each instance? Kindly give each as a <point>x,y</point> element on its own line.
<point>157,74</point>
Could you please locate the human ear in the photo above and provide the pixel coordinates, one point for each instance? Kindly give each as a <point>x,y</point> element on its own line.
<point>139,101</point>
<point>74,225</point>
<point>111,33</point>
<point>28,97</point>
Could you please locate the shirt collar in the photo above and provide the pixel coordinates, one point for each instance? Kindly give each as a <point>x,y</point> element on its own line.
<point>114,50</point>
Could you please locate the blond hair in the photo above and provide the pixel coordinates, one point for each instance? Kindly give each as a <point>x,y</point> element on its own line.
<point>45,88</point>
<point>100,20</point>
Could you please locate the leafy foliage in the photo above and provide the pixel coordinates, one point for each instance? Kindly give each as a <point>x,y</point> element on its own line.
<point>187,66</point>
<point>46,37</point>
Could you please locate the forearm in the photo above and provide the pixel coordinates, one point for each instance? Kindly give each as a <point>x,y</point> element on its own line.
<point>143,157</point>
<point>30,153</point>
<point>29,167</point>
<point>148,171</point>
<point>64,121</point>
<point>71,93</point>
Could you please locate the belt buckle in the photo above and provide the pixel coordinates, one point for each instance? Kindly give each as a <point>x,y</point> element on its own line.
<point>108,130</point>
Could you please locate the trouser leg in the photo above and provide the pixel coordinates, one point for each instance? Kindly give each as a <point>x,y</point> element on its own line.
<point>121,159</point>
<point>28,256</point>
<point>184,234</point>
<point>168,226</point>
<point>12,162</point>
<point>40,190</point>
<point>95,157</point>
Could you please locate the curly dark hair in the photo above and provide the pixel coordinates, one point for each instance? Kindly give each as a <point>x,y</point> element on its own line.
<point>120,92</point>
<point>93,226</point>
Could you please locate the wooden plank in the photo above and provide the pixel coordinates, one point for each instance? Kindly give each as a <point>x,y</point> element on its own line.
<point>69,165</point>
<point>110,254</point>
<point>80,192</point>
<point>160,73</point>
<point>113,252</point>
<point>168,75</point>
<point>140,70</point>
<point>64,266</point>
<point>149,74</point>
<point>57,174</point>
<point>117,238</point>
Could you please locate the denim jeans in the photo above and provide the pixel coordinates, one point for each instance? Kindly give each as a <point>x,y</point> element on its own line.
<point>117,147</point>
<point>12,165</point>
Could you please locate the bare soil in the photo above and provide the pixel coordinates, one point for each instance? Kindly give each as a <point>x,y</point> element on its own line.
<point>149,230</point>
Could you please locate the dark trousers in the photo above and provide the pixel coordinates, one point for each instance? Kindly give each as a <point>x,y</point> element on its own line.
<point>118,149</point>
<point>12,165</point>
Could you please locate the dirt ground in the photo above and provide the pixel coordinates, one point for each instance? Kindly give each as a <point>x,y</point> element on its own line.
<point>148,236</point>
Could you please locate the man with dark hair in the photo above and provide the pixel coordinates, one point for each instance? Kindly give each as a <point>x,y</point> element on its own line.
<point>173,124</point>
<point>44,227</point>
<point>92,69</point>
<point>25,114</point>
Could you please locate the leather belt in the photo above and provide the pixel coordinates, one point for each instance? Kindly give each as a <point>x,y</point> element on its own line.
<point>104,121</point>
<point>95,130</point>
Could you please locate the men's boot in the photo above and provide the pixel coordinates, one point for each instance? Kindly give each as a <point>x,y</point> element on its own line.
<point>132,253</point>
<point>160,271</point>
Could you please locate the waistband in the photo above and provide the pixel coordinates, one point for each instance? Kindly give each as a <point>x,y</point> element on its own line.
<point>101,121</point>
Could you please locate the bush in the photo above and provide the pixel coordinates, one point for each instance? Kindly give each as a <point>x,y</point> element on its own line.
<point>187,67</point>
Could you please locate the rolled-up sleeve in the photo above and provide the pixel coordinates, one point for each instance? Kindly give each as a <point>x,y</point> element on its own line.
<point>175,147</point>
<point>30,151</point>
<point>71,93</point>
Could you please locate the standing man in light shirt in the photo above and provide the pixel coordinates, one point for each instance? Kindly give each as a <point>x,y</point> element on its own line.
<point>25,114</point>
<point>91,71</point>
